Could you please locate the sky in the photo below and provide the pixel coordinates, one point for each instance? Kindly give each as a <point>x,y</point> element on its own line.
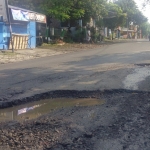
<point>146,11</point>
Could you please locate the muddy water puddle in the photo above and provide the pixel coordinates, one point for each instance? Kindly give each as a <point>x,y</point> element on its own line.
<point>38,108</point>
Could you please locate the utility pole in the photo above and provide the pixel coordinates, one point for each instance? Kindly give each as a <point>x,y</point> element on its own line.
<point>127,26</point>
<point>10,28</point>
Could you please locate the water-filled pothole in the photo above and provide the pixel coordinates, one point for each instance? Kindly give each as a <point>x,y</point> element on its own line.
<point>38,108</point>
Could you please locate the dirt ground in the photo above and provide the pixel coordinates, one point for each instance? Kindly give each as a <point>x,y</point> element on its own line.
<point>71,46</point>
<point>45,50</point>
<point>121,123</point>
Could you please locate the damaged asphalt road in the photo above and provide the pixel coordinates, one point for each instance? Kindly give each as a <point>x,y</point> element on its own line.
<point>121,123</point>
<point>118,74</point>
<point>108,67</point>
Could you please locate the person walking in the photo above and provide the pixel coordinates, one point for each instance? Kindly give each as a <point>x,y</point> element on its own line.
<point>88,36</point>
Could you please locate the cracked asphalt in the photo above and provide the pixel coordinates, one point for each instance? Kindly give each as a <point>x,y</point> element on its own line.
<point>117,73</point>
<point>102,68</point>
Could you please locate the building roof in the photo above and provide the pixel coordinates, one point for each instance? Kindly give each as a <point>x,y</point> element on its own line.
<point>14,7</point>
<point>39,17</point>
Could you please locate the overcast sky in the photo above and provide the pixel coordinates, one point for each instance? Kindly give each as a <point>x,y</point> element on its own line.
<point>145,11</point>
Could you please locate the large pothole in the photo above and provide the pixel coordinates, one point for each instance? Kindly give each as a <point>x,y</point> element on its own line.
<point>38,108</point>
<point>69,94</point>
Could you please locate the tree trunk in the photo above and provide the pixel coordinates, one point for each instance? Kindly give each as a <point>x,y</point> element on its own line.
<point>112,34</point>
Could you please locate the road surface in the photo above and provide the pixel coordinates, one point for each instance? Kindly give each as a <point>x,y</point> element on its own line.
<point>110,67</point>
<point>121,122</point>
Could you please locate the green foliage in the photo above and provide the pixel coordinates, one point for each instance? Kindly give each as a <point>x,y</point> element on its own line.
<point>27,4</point>
<point>74,9</point>
<point>133,13</point>
<point>57,8</point>
<point>79,34</point>
<point>139,18</point>
<point>107,14</point>
<point>115,18</point>
<point>95,8</point>
<point>145,27</point>
<point>100,22</point>
<point>63,10</point>
<point>127,6</point>
<point>94,34</point>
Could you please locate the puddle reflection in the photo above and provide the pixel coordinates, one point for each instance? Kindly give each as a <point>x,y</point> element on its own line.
<point>25,110</point>
<point>35,109</point>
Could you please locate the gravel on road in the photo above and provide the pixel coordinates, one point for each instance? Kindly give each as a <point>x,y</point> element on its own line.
<point>121,123</point>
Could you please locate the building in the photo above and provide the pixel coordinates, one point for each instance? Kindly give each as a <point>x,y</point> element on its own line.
<point>20,28</point>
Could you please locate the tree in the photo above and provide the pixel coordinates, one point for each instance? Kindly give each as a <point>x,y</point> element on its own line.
<point>145,27</point>
<point>133,13</point>
<point>94,9</point>
<point>63,10</point>
<point>27,4</point>
<point>115,18</point>
<point>74,9</point>
<point>145,2</point>
<point>128,6</point>
<point>139,18</point>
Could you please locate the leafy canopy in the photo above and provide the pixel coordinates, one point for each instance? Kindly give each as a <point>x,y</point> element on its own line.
<point>108,14</point>
<point>133,13</point>
<point>74,9</point>
<point>115,17</point>
<point>65,9</point>
<point>145,27</point>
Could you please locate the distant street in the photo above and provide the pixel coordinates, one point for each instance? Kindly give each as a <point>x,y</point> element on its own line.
<point>115,66</point>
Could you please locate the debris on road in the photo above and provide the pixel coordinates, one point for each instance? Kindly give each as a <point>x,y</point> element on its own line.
<point>122,122</point>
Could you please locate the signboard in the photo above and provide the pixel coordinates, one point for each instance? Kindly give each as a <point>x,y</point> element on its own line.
<point>37,17</point>
<point>40,18</point>
<point>21,15</point>
<point>32,16</point>
<point>3,10</point>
